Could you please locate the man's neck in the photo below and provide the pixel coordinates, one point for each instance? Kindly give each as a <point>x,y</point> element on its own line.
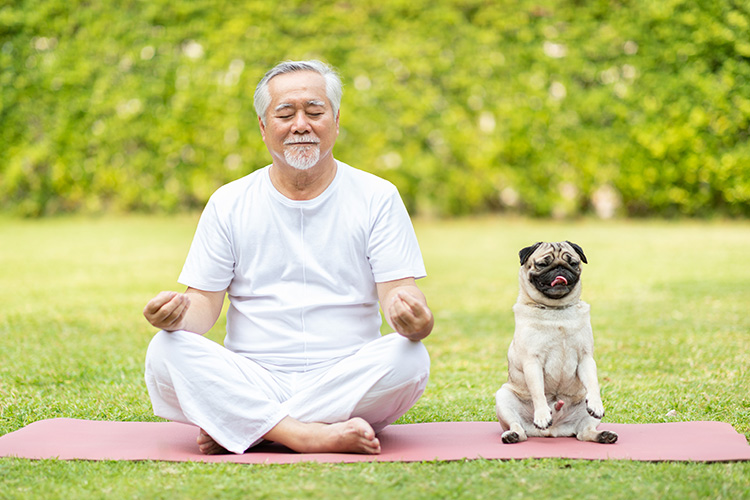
<point>303,184</point>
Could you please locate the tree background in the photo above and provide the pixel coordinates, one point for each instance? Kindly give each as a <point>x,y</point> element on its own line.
<point>546,108</point>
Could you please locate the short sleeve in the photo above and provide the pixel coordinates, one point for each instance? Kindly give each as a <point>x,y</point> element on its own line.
<point>393,250</point>
<point>209,265</point>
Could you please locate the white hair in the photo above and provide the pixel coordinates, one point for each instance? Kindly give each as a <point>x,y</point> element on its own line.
<point>334,88</point>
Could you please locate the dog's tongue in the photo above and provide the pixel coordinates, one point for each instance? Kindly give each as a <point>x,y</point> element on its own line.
<point>559,280</point>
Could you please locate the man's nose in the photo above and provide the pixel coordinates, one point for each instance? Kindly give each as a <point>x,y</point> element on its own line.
<point>300,124</point>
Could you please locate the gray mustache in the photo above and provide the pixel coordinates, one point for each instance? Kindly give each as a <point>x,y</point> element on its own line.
<point>303,140</point>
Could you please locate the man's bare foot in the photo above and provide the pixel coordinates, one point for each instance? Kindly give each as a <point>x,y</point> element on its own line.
<point>208,446</point>
<point>353,436</point>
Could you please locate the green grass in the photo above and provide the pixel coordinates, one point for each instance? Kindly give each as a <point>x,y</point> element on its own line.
<point>669,310</point>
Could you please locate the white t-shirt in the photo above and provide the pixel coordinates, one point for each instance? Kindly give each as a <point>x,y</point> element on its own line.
<point>301,275</point>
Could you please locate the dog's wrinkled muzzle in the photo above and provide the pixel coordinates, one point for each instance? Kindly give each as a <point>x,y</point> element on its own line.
<point>555,282</point>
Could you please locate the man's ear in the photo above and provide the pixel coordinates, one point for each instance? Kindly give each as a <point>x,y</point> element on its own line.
<point>262,128</point>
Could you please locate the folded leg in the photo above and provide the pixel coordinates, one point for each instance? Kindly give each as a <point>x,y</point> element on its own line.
<point>379,384</point>
<point>512,413</point>
<point>236,402</point>
<point>194,380</point>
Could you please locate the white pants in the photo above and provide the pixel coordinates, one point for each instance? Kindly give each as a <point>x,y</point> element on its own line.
<point>194,380</point>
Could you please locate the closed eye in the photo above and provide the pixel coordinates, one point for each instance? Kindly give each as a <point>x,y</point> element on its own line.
<point>543,263</point>
<point>572,260</point>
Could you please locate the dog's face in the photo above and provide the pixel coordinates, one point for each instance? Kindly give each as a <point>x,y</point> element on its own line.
<point>550,273</point>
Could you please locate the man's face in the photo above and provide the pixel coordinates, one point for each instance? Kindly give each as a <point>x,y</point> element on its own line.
<point>300,128</point>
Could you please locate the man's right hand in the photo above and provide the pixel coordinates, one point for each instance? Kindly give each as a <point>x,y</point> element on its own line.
<point>167,310</point>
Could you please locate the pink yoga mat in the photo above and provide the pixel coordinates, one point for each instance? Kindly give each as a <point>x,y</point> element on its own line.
<point>71,439</point>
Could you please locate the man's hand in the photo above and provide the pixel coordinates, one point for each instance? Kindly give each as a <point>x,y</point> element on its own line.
<point>194,311</point>
<point>167,310</point>
<point>405,308</point>
<point>409,316</point>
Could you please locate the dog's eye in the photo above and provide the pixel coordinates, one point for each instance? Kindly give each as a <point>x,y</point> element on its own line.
<point>572,260</point>
<point>543,263</point>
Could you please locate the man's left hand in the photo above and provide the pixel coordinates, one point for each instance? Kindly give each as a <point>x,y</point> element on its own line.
<point>409,316</point>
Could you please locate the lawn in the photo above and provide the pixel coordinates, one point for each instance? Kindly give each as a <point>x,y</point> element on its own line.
<point>669,310</point>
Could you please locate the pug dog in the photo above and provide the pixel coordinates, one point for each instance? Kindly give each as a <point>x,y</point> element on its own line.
<point>552,388</point>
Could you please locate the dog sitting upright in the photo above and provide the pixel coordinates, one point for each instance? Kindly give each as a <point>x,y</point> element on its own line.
<point>552,387</point>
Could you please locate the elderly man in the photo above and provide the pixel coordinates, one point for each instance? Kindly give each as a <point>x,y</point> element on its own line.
<point>306,248</point>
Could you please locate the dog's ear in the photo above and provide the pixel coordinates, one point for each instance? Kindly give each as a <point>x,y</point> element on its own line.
<point>525,253</point>
<point>578,250</point>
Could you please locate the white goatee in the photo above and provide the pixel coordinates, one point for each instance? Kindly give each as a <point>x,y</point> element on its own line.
<point>302,157</point>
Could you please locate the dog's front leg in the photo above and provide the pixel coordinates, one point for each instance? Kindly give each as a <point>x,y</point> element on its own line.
<point>534,375</point>
<point>589,379</point>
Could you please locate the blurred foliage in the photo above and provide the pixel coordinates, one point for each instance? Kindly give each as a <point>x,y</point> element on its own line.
<point>547,107</point>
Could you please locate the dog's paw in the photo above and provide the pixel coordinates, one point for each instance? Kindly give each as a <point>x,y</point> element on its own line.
<point>510,437</point>
<point>542,418</point>
<point>595,409</point>
<point>606,437</point>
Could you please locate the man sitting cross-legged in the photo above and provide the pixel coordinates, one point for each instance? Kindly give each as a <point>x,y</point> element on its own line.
<point>307,249</point>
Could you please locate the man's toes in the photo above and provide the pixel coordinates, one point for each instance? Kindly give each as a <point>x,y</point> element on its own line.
<point>365,435</point>
<point>373,447</point>
<point>208,446</point>
<point>362,428</point>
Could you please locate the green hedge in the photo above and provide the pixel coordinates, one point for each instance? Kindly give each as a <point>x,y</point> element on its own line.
<point>538,107</point>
